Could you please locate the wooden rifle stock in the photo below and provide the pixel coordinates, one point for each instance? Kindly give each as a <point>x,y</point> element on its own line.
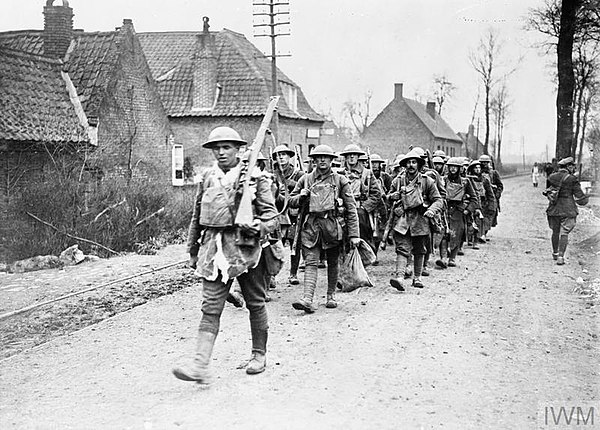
<point>244,213</point>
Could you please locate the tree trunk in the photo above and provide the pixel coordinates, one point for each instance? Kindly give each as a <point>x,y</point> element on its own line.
<point>566,79</point>
<point>586,110</point>
<point>487,121</point>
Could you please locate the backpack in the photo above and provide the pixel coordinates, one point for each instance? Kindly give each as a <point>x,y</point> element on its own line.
<point>552,191</point>
<point>323,196</point>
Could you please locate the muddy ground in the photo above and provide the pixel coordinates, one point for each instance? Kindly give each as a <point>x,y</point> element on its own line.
<point>488,344</point>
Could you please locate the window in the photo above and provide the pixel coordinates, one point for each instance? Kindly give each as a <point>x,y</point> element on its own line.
<point>290,94</point>
<point>177,165</point>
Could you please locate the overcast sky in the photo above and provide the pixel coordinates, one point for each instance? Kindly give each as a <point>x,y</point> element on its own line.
<point>343,48</point>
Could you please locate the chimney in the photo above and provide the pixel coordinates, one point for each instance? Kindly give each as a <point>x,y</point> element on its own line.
<point>431,109</point>
<point>205,88</point>
<point>398,91</point>
<point>58,29</point>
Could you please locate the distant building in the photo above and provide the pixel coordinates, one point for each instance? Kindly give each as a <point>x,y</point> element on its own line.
<point>472,146</point>
<point>404,123</point>
<point>334,136</point>
<point>89,95</point>
<point>208,79</point>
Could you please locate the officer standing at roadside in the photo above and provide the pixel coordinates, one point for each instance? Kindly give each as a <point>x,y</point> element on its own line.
<point>562,215</point>
<point>329,204</point>
<point>222,251</point>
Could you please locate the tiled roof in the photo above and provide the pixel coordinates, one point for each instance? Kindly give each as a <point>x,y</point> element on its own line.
<point>243,73</point>
<point>437,126</point>
<point>90,63</point>
<point>34,102</point>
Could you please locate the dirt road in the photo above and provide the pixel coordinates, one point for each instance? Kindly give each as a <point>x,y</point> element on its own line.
<point>488,344</point>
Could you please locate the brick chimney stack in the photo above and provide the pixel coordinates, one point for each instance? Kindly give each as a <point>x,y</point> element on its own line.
<point>58,29</point>
<point>205,70</point>
<point>431,109</point>
<point>398,91</point>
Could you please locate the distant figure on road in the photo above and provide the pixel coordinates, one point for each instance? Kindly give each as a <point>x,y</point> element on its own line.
<point>221,251</point>
<point>535,173</point>
<point>562,215</point>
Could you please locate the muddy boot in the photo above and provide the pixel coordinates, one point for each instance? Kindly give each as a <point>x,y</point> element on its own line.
<point>199,370</point>
<point>408,272</point>
<point>451,262</point>
<point>235,298</point>
<point>331,303</point>
<point>400,267</point>
<point>258,360</point>
<point>310,283</point>
<point>563,241</point>
<point>419,259</point>
<point>293,280</point>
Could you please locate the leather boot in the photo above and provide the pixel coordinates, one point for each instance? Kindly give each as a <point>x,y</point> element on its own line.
<point>258,360</point>
<point>199,370</point>
<point>562,247</point>
<point>310,284</point>
<point>400,266</point>
<point>418,270</point>
<point>331,303</point>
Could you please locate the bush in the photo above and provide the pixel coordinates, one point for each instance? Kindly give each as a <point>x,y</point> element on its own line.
<point>109,216</point>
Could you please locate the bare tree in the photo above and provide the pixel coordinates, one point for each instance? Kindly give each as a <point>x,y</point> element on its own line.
<point>443,90</point>
<point>359,113</point>
<point>486,61</point>
<point>500,107</point>
<point>572,26</point>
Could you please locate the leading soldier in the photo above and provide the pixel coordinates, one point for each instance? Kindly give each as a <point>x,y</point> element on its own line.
<point>222,251</point>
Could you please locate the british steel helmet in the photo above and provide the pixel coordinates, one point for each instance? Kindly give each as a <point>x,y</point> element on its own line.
<point>223,134</point>
<point>473,164</point>
<point>439,153</point>
<point>454,161</point>
<point>438,159</point>
<point>485,159</point>
<point>566,161</point>
<point>322,150</point>
<point>376,158</point>
<point>352,149</point>
<point>283,148</point>
<point>413,153</point>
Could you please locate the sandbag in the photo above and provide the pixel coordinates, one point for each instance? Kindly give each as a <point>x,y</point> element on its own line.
<point>367,255</point>
<point>352,273</point>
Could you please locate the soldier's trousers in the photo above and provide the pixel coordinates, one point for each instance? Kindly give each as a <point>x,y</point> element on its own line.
<point>253,285</point>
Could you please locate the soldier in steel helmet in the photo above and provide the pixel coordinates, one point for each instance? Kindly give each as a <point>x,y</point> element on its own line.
<point>562,214</point>
<point>286,178</point>
<point>461,202</point>
<point>487,201</point>
<point>222,251</point>
<point>365,189</point>
<point>416,201</point>
<point>328,198</point>
<point>488,170</point>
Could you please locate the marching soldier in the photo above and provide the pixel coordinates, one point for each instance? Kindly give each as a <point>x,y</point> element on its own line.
<point>562,215</point>
<point>385,182</point>
<point>326,198</point>
<point>286,178</point>
<point>487,168</point>
<point>461,203</point>
<point>487,200</point>
<point>416,200</point>
<point>222,251</point>
<point>365,190</point>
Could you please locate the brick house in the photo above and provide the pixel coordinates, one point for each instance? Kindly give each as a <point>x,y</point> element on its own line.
<point>89,93</point>
<point>208,79</point>
<point>405,122</point>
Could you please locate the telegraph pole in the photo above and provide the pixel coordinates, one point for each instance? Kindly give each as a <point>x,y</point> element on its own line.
<point>278,14</point>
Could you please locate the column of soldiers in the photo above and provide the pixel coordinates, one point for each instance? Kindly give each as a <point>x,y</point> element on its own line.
<point>423,205</point>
